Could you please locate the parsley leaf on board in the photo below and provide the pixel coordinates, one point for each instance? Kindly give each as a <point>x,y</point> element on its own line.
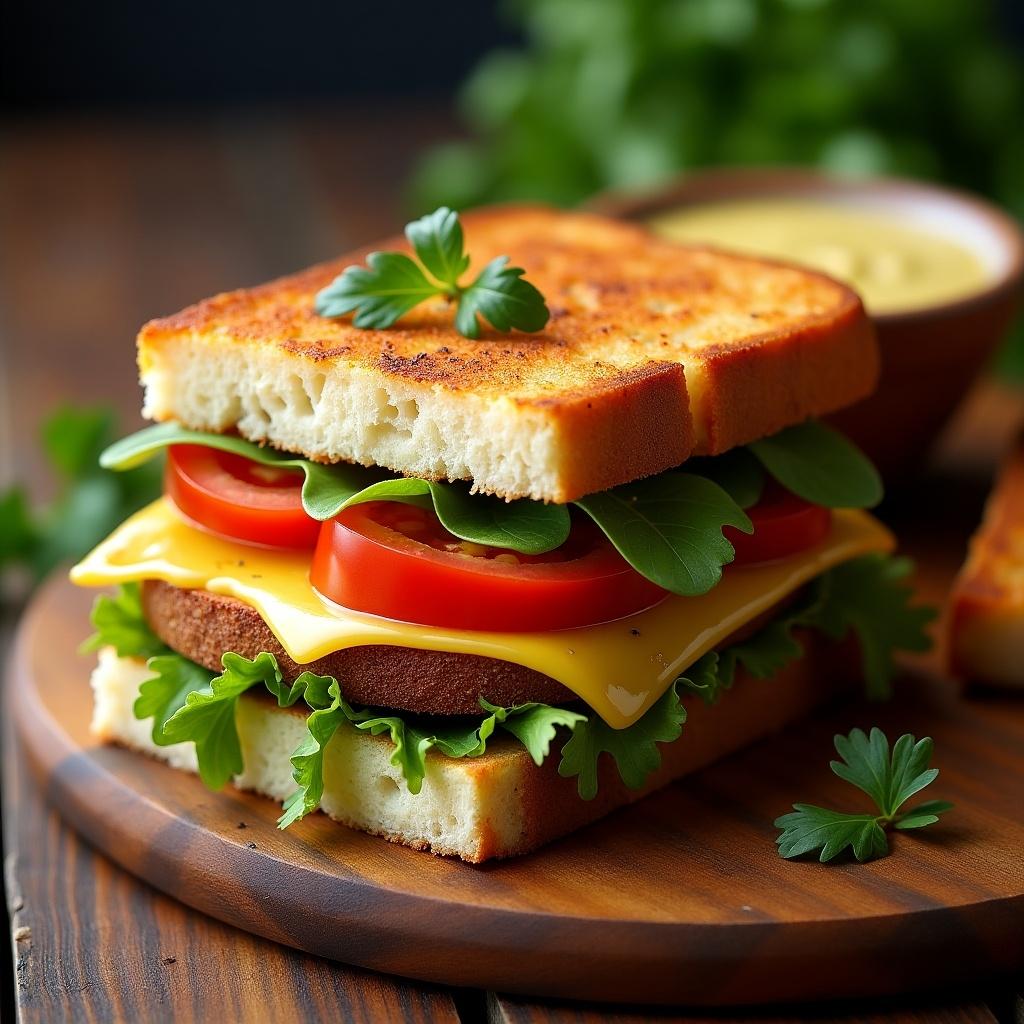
<point>393,283</point>
<point>890,779</point>
<point>820,465</point>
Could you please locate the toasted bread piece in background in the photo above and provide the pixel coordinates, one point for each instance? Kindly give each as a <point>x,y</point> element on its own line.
<point>653,352</point>
<point>497,805</point>
<point>983,628</point>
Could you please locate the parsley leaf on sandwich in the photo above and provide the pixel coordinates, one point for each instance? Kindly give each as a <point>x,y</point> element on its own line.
<point>888,779</point>
<point>393,283</point>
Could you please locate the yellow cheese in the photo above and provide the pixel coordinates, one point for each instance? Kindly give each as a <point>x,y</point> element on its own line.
<point>618,668</point>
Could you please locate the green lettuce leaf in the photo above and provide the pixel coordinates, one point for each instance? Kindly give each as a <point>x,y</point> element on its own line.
<point>207,716</point>
<point>871,596</point>
<point>634,750</point>
<point>324,697</point>
<point>867,595</point>
<point>162,696</point>
<point>120,623</point>
<point>534,725</point>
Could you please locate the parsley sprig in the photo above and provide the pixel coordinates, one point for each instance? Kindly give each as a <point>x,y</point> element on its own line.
<point>889,780</point>
<point>393,283</point>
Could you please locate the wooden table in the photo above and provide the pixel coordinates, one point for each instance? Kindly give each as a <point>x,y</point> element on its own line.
<point>102,225</point>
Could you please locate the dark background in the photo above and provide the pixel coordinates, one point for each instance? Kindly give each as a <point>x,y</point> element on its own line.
<point>122,53</point>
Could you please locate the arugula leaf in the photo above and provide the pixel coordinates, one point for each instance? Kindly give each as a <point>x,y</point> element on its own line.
<point>394,283</point>
<point>820,465</point>
<point>120,623</point>
<point>889,779</point>
<point>634,749</point>
<point>736,471</point>
<point>161,697</point>
<point>531,527</point>
<point>669,528</point>
<point>501,296</point>
<point>869,596</point>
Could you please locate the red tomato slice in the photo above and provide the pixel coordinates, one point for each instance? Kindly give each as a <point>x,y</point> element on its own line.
<point>238,498</point>
<point>783,525</point>
<point>397,561</point>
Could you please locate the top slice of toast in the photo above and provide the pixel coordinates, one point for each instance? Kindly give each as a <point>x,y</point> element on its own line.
<point>654,352</point>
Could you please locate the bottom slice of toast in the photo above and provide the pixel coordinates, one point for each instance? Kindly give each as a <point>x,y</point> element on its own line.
<point>497,805</point>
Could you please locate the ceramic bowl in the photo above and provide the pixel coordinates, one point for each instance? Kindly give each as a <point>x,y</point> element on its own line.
<point>930,356</point>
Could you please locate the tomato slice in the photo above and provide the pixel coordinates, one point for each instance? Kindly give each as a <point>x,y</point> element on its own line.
<point>783,525</point>
<point>397,561</point>
<point>238,498</point>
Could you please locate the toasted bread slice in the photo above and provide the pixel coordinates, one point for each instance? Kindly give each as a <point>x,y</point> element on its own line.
<point>983,629</point>
<point>497,805</point>
<point>653,352</point>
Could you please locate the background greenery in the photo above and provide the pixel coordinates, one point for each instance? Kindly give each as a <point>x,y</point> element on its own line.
<point>624,93</point>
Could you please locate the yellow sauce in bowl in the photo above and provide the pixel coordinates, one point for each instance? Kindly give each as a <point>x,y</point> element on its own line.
<point>895,263</point>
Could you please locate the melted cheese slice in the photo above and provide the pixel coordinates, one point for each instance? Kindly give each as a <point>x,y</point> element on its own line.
<point>618,668</point>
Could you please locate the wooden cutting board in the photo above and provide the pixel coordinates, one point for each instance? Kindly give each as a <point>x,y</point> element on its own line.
<point>679,899</point>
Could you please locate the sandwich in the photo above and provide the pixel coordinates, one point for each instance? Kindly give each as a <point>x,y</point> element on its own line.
<point>470,566</point>
<point>983,628</point>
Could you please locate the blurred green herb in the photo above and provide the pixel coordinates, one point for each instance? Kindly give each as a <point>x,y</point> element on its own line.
<point>90,501</point>
<point>620,94</point>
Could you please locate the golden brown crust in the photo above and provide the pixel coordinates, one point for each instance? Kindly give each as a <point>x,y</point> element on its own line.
<point>653,350</point>
<point>202,626</point>
<point>984,622</point>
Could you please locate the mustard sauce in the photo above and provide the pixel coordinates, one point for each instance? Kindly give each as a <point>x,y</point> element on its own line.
<point>894,262</point>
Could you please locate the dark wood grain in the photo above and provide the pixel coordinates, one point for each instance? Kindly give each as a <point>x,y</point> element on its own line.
<point>93,944</point>
<point>680,899</point>
<point>511,1010</point>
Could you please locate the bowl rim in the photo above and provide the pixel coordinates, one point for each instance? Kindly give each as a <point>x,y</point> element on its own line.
<point>717,184</point>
